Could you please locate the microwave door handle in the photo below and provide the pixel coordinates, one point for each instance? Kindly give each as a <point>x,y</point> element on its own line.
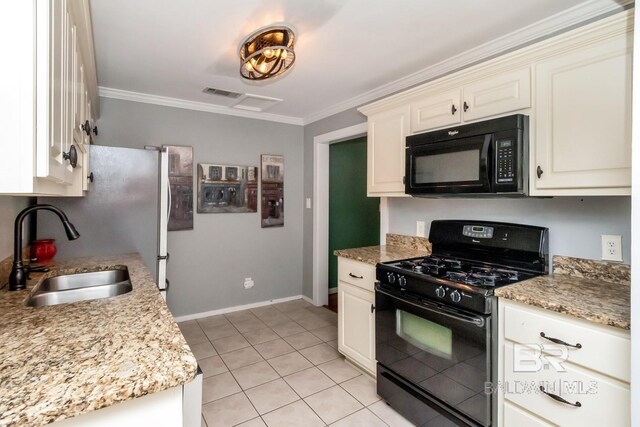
<point>485,160</point>
<point>444,311</point>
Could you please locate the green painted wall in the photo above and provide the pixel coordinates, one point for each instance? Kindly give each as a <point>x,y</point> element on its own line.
<point>354,218</point>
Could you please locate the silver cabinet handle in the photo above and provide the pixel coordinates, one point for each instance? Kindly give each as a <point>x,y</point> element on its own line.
<point>355,277</point>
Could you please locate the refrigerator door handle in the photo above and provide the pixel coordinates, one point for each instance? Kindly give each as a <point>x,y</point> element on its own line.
<point>168,204</point>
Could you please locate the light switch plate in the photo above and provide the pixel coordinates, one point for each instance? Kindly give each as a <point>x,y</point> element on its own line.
<point>420,228</point>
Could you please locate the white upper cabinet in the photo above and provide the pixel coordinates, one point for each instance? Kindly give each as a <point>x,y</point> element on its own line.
<point>385,152</point>
<point>575,88</point>
<point>436,111</point>
<point>44,111</point>
<point>583,120</point>
<point>503,93</point>
<point>491,96</point>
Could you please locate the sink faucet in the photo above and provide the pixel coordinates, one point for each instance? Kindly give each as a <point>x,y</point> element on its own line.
<point>19,273</point>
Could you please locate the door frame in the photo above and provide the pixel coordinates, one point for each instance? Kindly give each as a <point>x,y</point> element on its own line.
<point>321,207</point>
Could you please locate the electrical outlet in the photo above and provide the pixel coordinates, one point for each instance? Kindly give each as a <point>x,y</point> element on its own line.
<point>308,202</point>
<point>248,282</point>
<point>611,247</point>
<point>420,228</point>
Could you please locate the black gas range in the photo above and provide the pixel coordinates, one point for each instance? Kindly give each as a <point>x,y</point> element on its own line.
<point>436,319</point>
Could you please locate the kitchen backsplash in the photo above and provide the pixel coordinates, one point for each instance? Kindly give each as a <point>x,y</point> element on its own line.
<point>591,269</point>
<point>413,242</point>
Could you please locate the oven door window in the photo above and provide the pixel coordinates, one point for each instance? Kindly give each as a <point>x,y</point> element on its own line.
<point>459,166</point>
<point>443,352</point>
<point>424,334</point>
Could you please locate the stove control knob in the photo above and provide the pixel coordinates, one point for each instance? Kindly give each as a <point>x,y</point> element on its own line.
<point>455,296</point>
<point>402,281</point>
<point>440,292</point>
<point>391,278</point>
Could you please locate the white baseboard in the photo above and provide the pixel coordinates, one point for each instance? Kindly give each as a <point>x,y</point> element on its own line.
<point>239,308</point>
<point>333,290</point>
<point>307,299</point>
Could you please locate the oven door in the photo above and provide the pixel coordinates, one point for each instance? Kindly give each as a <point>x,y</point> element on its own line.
<point>455,166</point>
<point>443,354</point>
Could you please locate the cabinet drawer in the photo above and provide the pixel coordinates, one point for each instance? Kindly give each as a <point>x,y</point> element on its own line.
<point>357,273</point>
<point>514,416</point>
<point>603,401</point>
<point>604,349</point>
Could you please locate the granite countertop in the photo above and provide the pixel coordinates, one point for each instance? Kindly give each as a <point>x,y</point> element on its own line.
<point>397,247</point>
<point>590,290</point>
<point>61,361</point>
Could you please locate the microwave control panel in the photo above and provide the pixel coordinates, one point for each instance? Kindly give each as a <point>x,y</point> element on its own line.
<point>505,161</point>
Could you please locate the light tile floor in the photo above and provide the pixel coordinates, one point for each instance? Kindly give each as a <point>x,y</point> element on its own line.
<point>278,366</point>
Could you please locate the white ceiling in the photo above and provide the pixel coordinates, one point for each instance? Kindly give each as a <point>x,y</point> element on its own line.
<point>345,50</point>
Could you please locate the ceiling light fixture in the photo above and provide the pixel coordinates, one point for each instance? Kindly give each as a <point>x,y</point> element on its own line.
<point>267,53</point>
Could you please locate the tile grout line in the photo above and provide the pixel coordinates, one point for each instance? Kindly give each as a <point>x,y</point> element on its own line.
<point>313,365</point>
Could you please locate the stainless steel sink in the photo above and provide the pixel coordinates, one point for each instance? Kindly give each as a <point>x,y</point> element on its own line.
<point>80,287</point>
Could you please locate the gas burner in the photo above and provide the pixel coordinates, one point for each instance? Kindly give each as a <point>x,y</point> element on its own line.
<point>414,265</point>
<point>453,263</point>
<point>487,279</point>
<point>461,277</point>
<point>508,274</point>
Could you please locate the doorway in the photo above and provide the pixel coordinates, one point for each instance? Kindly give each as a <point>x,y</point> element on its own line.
<point>354,218</point>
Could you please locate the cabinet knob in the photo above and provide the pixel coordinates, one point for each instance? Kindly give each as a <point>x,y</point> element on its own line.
<point>539,171</point>
<point>72,156</point>
<point>86,127</point>
<point>465,106</point>
<point>90,177</point>
<point>453,109</point>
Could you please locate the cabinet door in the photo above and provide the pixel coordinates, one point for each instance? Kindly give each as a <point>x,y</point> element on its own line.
<point>54,57</point>
<point>501,94</point>
<point>356,325</point>
<point>436,111</point>
<point>514,416</point>
<point>583,120</point>
<point>385,152</point>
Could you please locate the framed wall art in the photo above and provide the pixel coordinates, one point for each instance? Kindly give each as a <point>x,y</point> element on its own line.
<point>272,191</point>
<point>180,187</point>
<point>227,188</point>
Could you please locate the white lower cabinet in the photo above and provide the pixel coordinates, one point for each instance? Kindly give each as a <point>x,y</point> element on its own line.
<point>161,409</point>
<point>543,382</point>
<point>356,313</point>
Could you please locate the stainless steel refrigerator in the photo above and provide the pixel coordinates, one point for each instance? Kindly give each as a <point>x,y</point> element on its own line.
<point>124,211</point>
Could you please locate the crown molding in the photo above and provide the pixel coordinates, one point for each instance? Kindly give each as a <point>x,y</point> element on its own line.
<point>146,98</point>
<point>555,24</point>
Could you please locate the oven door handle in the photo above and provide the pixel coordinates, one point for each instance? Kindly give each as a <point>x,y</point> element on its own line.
<point>479,321</point>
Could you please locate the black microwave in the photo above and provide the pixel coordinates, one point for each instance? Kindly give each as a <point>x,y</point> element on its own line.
<point>488,158</point>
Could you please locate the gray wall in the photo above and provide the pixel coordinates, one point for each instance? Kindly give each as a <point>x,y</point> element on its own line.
<point>209,263</point>
<point>575,224</point>
<point>9,208</point>
<point>342,120</point>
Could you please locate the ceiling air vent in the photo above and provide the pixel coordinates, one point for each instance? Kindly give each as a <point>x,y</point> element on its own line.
<point>255,102</point>
<point>221,92</point>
